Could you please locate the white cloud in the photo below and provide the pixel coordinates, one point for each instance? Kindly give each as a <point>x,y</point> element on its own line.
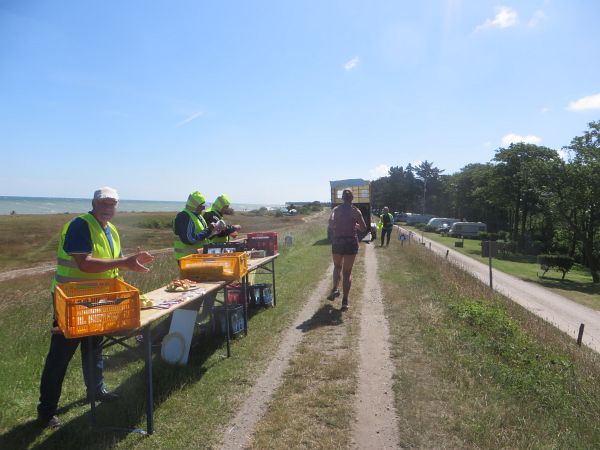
<point>564,155</point>
<point>190,118</point>
<point>545,109</point>
<point>381,170</point>
<point>538,16</point>
<point>505,17</point>
<point>512,138</point>
<point>585,103</point>
<point>352,63</point>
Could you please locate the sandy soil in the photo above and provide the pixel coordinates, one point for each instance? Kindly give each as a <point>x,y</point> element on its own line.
<point>376,421</point>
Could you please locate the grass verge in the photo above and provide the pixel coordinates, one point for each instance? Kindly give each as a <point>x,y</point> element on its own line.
<point>476,370</point>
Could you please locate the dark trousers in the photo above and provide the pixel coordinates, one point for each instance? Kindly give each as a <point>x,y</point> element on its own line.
<point>385,232</point>
<point>60,354</point>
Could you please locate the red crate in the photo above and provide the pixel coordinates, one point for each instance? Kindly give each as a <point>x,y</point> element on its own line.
<point>234,293</point>
<point>265,240</point>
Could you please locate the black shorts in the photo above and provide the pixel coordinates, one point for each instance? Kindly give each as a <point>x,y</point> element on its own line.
<point>344,245</point>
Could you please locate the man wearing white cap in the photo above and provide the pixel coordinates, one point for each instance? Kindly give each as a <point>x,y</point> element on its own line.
<point>89,248</point>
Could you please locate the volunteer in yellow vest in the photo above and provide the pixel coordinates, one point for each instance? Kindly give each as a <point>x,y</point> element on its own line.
<point>89,248</point>
<point>191,230</point>
<point>215,214</point>
<point>386,225</point>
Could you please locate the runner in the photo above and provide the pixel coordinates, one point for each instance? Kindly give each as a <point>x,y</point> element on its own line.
<point>345,221</point>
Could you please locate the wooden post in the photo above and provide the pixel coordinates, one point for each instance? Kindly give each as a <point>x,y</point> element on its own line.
<point>580,335</point>
<point>447,251</point>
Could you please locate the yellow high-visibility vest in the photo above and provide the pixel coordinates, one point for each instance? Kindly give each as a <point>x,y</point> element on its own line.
<point>66,266</point>
<point>181,248</point>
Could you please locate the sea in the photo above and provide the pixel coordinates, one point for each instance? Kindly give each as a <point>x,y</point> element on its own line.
<point>49,205</point>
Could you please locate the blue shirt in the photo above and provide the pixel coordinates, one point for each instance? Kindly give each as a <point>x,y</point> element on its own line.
<point>79,239</point>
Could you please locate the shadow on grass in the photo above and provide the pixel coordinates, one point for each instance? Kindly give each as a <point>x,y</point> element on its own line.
<point>326,316</point>
<point>322,242</point>
<point>116,419</point>
<point>569,285</point>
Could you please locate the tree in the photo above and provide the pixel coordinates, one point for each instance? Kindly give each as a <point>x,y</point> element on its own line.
<point>521,170</point>
<point>576,194</point>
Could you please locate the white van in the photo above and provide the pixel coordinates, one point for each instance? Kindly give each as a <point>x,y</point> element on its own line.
<point>467,229</point>
<point>438,222</point>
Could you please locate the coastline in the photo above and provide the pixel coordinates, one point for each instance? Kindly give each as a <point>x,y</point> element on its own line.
<point>13,205</point>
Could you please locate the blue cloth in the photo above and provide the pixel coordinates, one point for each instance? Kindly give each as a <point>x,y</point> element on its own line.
<point>78,238</point>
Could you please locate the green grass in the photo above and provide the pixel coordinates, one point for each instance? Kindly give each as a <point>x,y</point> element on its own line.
<point>577,285</point>
<point>193,403</point>
<point>498,377</point>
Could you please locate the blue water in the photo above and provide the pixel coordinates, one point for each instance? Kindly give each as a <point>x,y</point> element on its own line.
<point>49,205</point>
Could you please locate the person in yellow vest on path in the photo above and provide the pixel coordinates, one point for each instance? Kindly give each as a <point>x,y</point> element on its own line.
<point>386,225</point>
<point>215,213</point>
<point>192,232</point>
<point>89,248</point>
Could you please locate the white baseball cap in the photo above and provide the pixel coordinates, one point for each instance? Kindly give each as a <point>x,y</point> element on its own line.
<point>106,192</point>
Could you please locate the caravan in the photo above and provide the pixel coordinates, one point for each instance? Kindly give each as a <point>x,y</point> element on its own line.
<point>467,229</point>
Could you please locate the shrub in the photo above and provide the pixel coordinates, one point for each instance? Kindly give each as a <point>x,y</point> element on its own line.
<point>487,236</point>
<point>429,228</point>
<point>562,263</point>
<point>505,249</point>
<point>420,226</point>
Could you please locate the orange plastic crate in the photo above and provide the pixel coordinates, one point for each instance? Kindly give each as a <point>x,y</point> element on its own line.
<point>95,307</point>
<point>214,267</point>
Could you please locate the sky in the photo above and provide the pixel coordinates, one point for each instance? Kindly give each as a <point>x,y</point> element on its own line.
<point>267,101</point>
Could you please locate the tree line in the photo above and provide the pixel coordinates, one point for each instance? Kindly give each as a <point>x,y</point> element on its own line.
<point>534,198</point>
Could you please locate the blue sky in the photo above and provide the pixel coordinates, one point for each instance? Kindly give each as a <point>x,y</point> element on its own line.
<point>269,100</point>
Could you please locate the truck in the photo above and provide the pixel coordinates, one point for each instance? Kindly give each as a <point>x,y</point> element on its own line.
<point>361,189</point>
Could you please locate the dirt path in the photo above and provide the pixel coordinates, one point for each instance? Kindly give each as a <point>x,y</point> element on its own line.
<point>376,421</point>
<point>240,429</point>
<point>563,313</point>
<point>49,267</point>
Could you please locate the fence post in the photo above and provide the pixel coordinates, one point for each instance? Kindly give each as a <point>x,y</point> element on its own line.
<point>447,251</point>
<point>580,335</point>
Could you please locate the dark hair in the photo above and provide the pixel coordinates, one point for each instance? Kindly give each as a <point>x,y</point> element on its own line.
<point>347,194</point>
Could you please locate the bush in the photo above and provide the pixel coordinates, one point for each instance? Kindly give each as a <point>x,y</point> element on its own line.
<point>562,263</point>
<point>487,236</point>
<point>420,226</point>
<point>430,228</point>
<point>505,249</point>
<point>156,224</point>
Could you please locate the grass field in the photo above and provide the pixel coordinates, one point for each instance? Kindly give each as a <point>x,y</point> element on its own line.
<point>474,370</point>
<point>577,285</point>
<point>192,403</point>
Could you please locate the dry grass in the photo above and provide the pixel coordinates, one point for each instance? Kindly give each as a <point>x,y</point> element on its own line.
<point>31,240</point>
<point>314,406</point>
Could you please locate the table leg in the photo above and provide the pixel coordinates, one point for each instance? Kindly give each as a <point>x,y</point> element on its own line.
<point>148,369</point>
<point>274,289</point>
<point>228,325</point>
<point>245,302</point>
<point>92,379</point>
